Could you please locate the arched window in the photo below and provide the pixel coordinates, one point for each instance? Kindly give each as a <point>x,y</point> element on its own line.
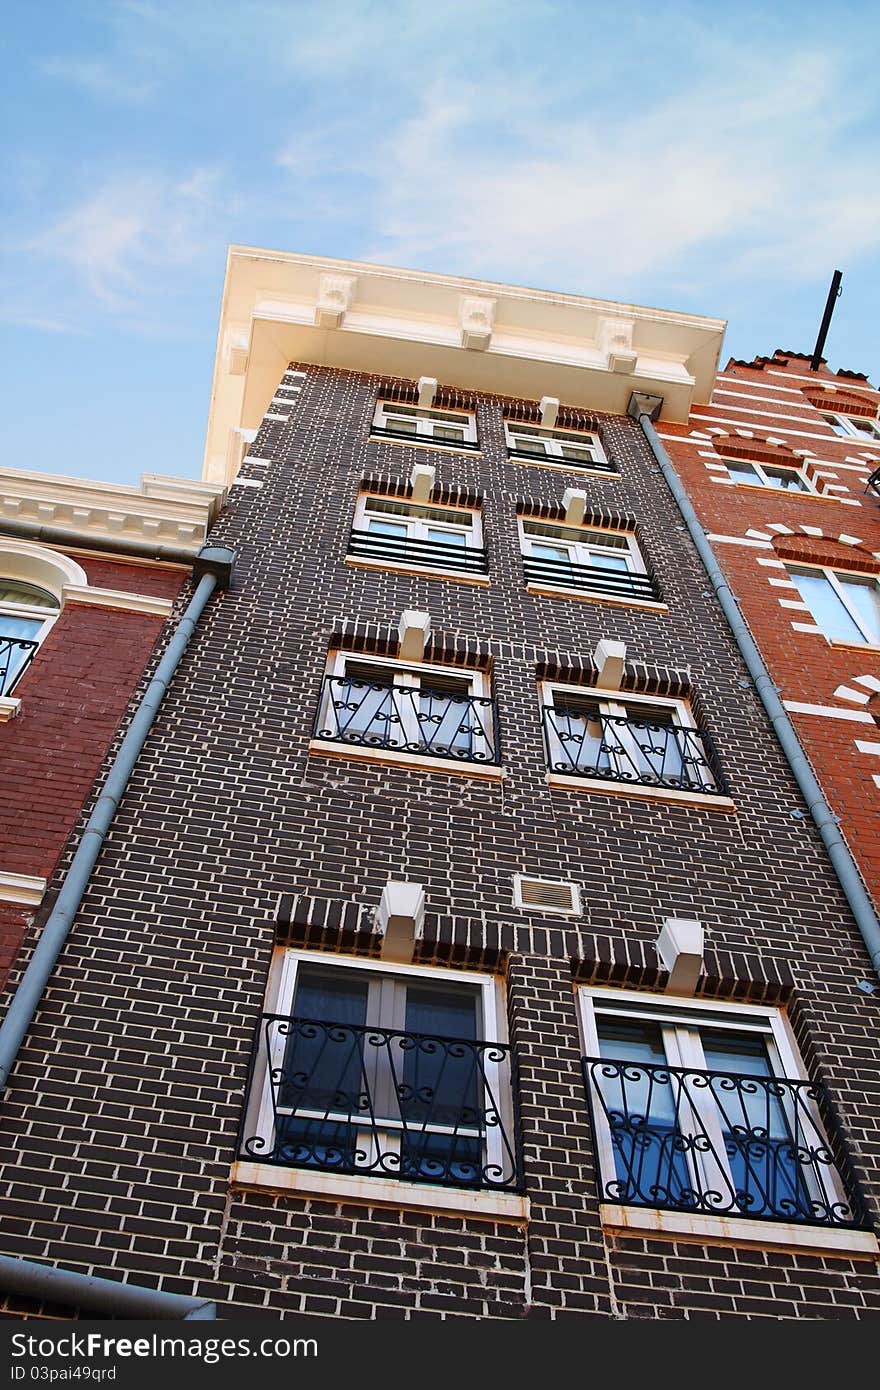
<point>27,612</point>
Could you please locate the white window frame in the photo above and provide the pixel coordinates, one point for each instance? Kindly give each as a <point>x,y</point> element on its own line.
<point>553,441</point>
<point>617,704</point>
<point>279,1000</point>
<point>681,1021</point>
<point>479,684</point>
<point>808,487</point>
<point>47,617</point>
<point>418,526</point>
<point>831,577</point>
<point>845,428</point>
<point>579,548</point>
<point>426,419</point>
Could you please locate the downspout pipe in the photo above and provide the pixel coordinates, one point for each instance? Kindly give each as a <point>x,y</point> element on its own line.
<point>645,410</point>
<point>91,1294</point>
<point>211,567</point>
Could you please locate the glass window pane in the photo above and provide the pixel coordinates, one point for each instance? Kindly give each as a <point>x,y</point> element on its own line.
<point>579,455</point>
<point>785,479</point>
<point>16,637</point>
<point>388,528</point>
<point>447,537</point>
<point>14,591</point>
<point>828,612</point>
<point>838,426</point>
<point>865,599</point>
<point>742,471</point>
<point>448,432</point>
<point>641,1102</point>
<point>401,426</point>
<point>608,562</point>
<point>863,426</point>
<point>530,446</point>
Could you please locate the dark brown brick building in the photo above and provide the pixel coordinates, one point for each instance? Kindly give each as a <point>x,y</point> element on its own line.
<point>460,947</point>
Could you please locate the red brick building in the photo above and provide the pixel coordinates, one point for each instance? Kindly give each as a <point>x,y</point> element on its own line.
<point>88,577</point>
<point>777,466</point>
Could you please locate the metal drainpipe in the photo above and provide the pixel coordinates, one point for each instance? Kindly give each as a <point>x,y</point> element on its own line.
<point>645,410</point>
<point>211,567</point>
<point>86,1291</point>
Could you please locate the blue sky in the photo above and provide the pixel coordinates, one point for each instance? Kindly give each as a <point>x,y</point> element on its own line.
<point>719,160</point>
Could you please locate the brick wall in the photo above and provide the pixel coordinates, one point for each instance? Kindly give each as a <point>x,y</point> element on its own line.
<point>73,696</point>
<point>780,398</point>
<point>118,1134</point>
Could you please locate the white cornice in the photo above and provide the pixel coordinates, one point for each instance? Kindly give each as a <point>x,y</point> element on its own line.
<point>279,307</point>
<point>116,598</point>
<point>167,511</point>
<point>21,888</point>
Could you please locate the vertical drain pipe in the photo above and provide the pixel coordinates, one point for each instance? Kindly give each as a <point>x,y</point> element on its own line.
<point>212,567</point>
<point>645,410</point>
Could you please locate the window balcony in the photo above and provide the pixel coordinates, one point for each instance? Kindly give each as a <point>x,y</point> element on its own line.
<point>434,719</point>
<point>423,554</point>
<point>720,1144</point>
<point>650,752</point>
<point>592,579</point>
<point>575,464</point>
<point>436,438</point>
<point>370,1101</point>
<point>16,654</point>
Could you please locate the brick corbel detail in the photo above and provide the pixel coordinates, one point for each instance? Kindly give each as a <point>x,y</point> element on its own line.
<point>729,975</point>
<point>823,550</point>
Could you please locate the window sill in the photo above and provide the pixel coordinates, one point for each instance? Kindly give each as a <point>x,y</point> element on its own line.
<point>444,766</point>
<point>565,466</point>
<point>413,442</point>
<point>851,646</point>
<point>782,492</point>
<point>345,1187</point>
<point>559,591</point>
<point>9,708</point>
<point>700,799</point>
<point>724,1230</point>
<point>426,573</point>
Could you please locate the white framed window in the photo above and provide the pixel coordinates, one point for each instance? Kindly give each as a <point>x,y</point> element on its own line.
<point>384,1070</point>
<point>430,711</point>
<point>628,739</point>
<point>853,426</point>
<point>780,477</point>
<point>706,1108</point>
<point>399,532</point>
<point>604,562</point>
<point>27,614</point>
<point>450,429</point>
<point>845,606</point>
<point>575,450</point>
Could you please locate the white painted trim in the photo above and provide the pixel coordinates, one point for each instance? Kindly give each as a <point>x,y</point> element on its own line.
<point>117,598</point>
<point>246,482</point>
<point>26,889</point>
<point>9,708</point>
<point>769,1235</point>
<point>445,767</point>
<point>362,563</point>
<point>865,745</point>
<point>346,1187</point>
<point>737,425</point>
<point>557,591</point>
<point>740,540</point>
<point>859,716</point>
<point>698,799</point>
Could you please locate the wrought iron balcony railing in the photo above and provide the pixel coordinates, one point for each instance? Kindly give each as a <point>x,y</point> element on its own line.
<point>577,465</point>
<point>721,1144</point>
<point>431,723</point>
<point>347,1098</point>
<point>874,482</point>
<point>16,654</point>
<point>611,748</point>
<point>593,579</point>
<point>427,554</point>
<point>411,437</point>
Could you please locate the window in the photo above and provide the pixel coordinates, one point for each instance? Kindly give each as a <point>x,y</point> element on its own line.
<point>853,426</point>
<point>607,563</point>
<point>575,450</point>
<point>846,607</point>
<point>390,1071</point>
<point>412,534</point>
<point>628,739</point>
<point>705,1108</point>
<point>451,429</point>
<point>429,711</point>
<point>778,476</point>
<point>26,615</point>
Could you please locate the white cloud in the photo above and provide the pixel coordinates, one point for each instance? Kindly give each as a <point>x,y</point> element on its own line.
<point>105,80</point>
